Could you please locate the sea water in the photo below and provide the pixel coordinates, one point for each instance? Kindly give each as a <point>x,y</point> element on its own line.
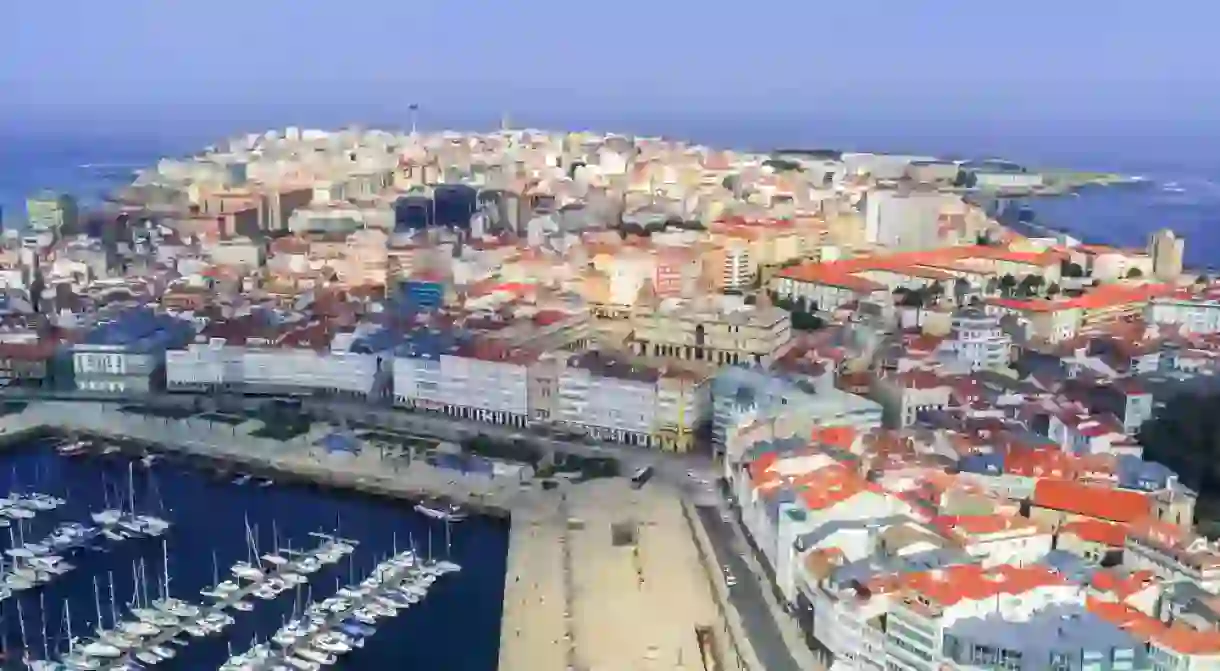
<point>455,627</point>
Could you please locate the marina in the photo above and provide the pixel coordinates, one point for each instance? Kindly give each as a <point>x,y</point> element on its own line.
<point>198,565</point>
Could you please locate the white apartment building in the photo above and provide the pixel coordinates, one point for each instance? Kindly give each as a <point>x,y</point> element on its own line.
<point>478,381</point>
<point>919,616</point>
<point>977,341</point>
<point>283,366</point>
<point>1193,315</point>
<point>737,272</point>
<point>608,399</point>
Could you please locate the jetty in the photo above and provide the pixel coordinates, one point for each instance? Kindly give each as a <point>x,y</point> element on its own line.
<point>222,604</point>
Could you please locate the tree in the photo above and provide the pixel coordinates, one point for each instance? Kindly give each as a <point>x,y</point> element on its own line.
<point>1185,436</point>
<point>992,286</point>
<point>1052,290</point>
<point>1134,273</point>
<point>1030,284</point>
<point>1069,269</point>
<point>913,299</point>
<point>961,289</point>
<point>1006,284</point>
<point>935,290</point>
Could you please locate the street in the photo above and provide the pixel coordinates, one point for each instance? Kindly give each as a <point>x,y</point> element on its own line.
<point>747,596</point>
<point>693,474</point>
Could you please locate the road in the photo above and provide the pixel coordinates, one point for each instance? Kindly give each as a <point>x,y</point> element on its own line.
<point>693,474</point>
<point>746,596</point>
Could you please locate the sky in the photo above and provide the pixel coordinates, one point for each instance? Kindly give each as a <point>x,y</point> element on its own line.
<point>894,61</point>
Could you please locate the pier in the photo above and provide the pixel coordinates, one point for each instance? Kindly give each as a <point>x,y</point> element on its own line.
<point>218,607</point>
<point>607,579</point>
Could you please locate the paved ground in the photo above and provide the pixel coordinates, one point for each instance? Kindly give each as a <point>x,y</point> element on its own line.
<point>576,599</point>
<point>746,596</point>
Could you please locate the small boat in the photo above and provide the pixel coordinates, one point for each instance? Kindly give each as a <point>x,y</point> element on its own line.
<point>266,482</point>
<point>242,479</point>
<point>247,571</point>
<point>364,616</point>
<point>148,460</point>
<point>72,448</point>
<point>148,657</point>
<point>438,510</point>
<point>111,450</point>
<point>163,652</point>
<point>243,606</point>
<point>322,658</point>
<point>302,664</point>
<point>139,628</point>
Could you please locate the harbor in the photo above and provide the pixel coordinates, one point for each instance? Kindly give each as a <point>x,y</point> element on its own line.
<point>162,595</point>
<point>578,548</point>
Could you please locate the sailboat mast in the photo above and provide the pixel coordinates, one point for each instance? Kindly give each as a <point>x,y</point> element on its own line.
<point>131,486</point>
<point>114,615</point>
<point>97,603</point>
<point>165,567</point>
<point>21,627</point>
<point>68,620</point>
<point>448,539</point>
<point>135,585</point>
<point>42,608</point>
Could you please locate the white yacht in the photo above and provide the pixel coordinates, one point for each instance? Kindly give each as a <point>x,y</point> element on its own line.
<point>332,642</point>
<point>108,517</point>
<point>177,607</point>
<point>246,571</point>
<point>163,652</point>
<point>322,658</point>
<point>147,657</point>
<point>99,649</point>
<point>302,664</point>
<point>139,628</point>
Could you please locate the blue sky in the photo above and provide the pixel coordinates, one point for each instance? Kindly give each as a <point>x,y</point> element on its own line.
<point>922,61</point>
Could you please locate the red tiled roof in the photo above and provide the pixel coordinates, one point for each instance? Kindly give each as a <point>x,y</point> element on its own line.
<point>1096,501</point>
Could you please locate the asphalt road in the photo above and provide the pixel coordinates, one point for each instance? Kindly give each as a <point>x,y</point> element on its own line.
<point>693,474</point>
<point>747,596</point>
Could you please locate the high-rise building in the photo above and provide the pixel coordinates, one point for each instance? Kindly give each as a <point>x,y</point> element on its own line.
<point>49,211</point>
<point>1166,250</point>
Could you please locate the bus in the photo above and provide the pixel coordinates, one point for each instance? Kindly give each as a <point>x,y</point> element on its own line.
<point>641,477</point>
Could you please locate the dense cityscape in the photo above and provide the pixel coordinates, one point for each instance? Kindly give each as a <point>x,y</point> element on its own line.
<point>917,426</point>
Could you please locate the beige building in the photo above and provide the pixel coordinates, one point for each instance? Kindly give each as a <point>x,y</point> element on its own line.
<point>713,329</point>
<point>1166,250</point>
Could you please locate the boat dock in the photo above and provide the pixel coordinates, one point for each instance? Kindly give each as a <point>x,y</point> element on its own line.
<point>389,576</point>
<point>218,607</point>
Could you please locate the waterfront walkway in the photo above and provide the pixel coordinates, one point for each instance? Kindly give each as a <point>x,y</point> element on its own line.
<point>603,576</point>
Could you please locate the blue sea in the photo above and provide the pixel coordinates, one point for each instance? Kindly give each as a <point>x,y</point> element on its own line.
<point>1181,164</point>
<point>457,626</point>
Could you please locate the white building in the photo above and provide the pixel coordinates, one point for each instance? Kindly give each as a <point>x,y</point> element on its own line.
<point>609,399</point>
<point>477,381</point>
<point>284,365</point>
<point>1192,314</point>
<point>977,341</point>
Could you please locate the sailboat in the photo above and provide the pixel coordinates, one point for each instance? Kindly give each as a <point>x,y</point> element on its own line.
<point>115,638</point>
<point>249,569</point>
<point>167,603</point>
<point>152,616</point>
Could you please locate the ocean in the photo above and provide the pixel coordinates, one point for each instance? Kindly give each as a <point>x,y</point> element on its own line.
<point>457,626</point>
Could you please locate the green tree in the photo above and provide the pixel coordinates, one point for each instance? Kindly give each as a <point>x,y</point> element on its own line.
<point>1052,290</point>
<point>1007,283</point>
<point>1069,269</point>
<point>961,289</point>
<point>1030,284</point>
<point>1134,273</point>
